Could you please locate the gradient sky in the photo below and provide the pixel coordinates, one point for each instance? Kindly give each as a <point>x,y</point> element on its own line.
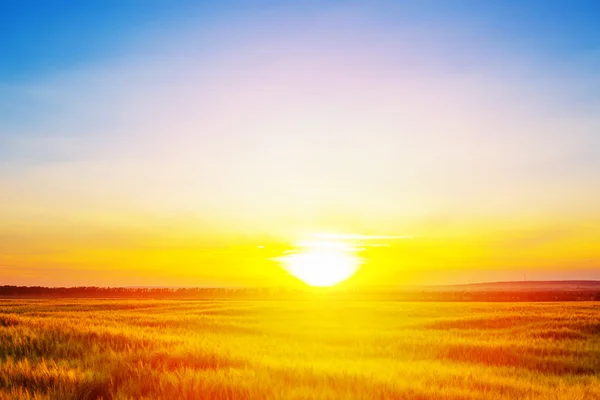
<point>192,143</point>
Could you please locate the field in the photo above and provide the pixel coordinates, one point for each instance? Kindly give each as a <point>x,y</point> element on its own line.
<point>320,348</point>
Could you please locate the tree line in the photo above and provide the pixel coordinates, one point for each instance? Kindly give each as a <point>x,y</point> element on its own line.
<point>271,293</point>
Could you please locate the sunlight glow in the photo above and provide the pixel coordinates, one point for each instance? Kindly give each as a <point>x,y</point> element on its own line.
<point>322,263</point>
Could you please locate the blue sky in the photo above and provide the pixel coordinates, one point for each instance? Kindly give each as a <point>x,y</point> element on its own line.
<point>41,37</point>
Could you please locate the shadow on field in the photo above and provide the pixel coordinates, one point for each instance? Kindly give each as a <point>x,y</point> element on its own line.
<point>506,322</point>
<point>514,357</point>
<point>8,320</point>
<point>558,334</point>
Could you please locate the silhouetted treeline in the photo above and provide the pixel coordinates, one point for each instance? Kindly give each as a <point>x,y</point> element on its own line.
<point>296,294</point>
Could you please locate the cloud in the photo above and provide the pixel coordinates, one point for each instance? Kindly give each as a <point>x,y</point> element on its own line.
<point>338,236</point>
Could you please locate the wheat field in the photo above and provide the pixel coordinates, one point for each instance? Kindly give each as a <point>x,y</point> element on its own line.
<point>315,349</point>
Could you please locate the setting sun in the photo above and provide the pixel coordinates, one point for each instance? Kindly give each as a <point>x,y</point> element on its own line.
<point>322,263</point>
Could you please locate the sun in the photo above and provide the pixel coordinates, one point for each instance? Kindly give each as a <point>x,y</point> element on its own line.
<point>322,263</point>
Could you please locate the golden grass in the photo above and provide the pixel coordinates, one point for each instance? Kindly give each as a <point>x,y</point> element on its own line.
<point>326,349</point>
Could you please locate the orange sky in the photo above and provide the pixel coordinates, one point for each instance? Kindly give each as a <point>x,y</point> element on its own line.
<point>186,253</point>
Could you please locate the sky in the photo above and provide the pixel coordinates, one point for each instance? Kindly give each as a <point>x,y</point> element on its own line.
<point>195,143</point>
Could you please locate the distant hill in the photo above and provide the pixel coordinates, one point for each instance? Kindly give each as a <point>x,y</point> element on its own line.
<point>521,286</point>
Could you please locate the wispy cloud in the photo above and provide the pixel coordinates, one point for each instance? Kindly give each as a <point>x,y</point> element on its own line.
<point>340,236</point>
